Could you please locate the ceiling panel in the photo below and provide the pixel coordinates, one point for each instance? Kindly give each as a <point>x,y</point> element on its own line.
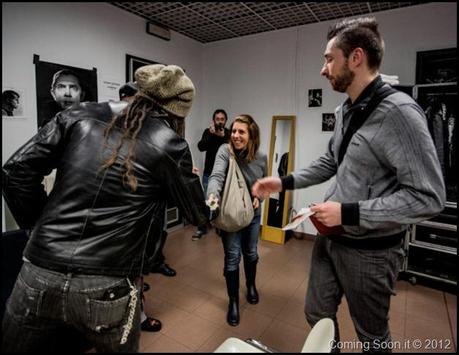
<point>220,11</point>
<point>181,19</point>
<point>214,21</point>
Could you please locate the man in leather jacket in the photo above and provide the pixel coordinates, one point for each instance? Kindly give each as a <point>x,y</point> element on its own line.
<point>88,237</point>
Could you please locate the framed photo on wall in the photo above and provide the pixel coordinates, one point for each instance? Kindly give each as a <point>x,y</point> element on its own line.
<point>14,102</point>
<point>328,122</point>
<point>133,63</point>
<point>61,86</point>
<point>314,97</point>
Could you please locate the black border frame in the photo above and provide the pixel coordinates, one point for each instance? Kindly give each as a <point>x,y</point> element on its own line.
<point>325,127</point>
<point>133,63</point>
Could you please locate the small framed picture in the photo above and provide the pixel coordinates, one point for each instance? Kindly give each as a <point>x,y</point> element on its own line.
<point>133,63</point>
<point>315,97</point>
<point>328,122</point>
<point>13,102</point>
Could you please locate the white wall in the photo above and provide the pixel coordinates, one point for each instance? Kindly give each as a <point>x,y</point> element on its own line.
<point>263,75</point>
<point>269,74</point>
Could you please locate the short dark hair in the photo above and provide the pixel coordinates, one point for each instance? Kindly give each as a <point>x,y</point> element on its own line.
<point>360,32</point>
<point>127,90</point>
<point>9,95</point>
<point>63,72</point>
<point>220,110</point>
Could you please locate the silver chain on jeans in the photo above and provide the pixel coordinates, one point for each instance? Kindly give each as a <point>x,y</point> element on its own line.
<point>132,305</point>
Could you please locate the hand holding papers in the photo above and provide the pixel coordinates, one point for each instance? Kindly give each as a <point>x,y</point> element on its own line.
<point>212,202</point>
<point>321,228</point>
<point>304,213</point>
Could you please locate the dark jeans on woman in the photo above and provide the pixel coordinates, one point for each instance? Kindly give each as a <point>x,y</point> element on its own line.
<point>46,306</point>
<point>244,241</point>
<point>367,279</point>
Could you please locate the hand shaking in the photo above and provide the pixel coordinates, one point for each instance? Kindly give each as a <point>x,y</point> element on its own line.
<point>263,187</point>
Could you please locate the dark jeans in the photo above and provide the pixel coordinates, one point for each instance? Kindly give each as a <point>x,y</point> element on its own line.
<point>367,279</point>
<point>244,241</point>
<point>46,306</point>
<point>202,229</point>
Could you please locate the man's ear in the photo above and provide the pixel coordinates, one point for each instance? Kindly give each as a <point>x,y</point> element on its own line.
<point>82,95</point>
<point>52,94</point>
<point>357,57</point>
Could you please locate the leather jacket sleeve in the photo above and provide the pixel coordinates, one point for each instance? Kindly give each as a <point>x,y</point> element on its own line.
<point>23,173</point>
<point>184,186</point>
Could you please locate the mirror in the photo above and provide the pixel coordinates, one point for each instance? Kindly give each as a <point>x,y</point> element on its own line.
<point>280,162</point>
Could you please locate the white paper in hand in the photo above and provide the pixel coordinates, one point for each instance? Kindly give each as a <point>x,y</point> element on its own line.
<point>304,213</point>
<point>212,202</point>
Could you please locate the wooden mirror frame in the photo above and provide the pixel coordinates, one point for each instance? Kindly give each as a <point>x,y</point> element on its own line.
<point>271,233</point>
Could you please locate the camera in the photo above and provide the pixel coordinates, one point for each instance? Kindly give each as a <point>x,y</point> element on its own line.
<point>219,126</point>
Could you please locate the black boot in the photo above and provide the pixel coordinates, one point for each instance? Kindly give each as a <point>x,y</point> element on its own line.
<point>250,274</point>
<point>232,285</point>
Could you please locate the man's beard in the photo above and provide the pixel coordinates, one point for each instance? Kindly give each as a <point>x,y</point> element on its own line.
<point>342,81</point>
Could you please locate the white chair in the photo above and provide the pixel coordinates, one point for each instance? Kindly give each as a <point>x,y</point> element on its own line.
<point>319,340</point>
<point>235,345</point>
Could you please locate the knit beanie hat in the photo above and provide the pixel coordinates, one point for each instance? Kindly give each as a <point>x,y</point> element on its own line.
<point>167,86</point>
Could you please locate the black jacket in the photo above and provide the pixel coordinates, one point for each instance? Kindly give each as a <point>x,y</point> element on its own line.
<point>90,223</point>
<point>210,143</point>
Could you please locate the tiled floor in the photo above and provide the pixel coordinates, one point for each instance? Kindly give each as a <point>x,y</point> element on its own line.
<point>192,305</point>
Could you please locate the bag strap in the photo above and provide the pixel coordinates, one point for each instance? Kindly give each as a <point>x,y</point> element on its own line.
<point>359,117</point>
<point>231,151</point>
<point>235,160</point>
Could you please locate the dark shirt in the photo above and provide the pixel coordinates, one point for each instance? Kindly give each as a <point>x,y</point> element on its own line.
<point>349,108</point>
<point>210,144</point>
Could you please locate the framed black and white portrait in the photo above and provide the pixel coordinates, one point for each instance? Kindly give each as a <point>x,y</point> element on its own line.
<point>315,97</point>
<point>13,102</point>
<point>328,122</point>
<point>133,63</point>
<point>61,86</point>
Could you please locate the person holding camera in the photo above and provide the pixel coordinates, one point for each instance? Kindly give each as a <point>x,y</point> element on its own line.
<point>212,138</point>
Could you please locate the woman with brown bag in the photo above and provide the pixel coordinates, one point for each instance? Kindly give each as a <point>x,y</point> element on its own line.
<point>243,147</point>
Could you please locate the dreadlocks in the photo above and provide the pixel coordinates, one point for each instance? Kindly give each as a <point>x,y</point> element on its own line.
<point>131,122</point>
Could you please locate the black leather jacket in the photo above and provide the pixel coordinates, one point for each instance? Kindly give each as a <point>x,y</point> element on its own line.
<point>90,223</point>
